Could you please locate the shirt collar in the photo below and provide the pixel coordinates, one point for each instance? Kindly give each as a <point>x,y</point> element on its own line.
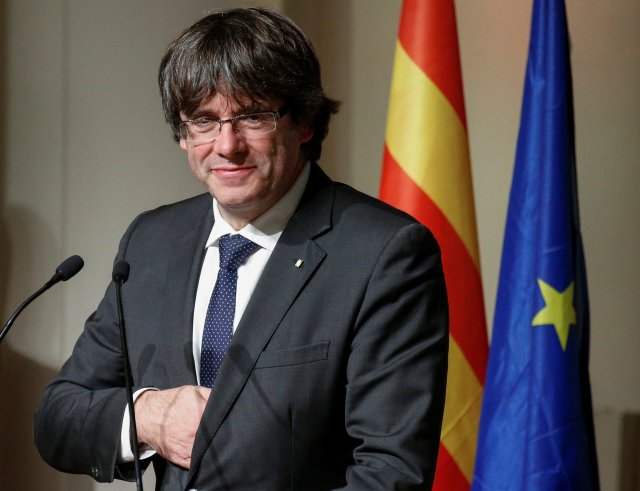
<point>267,228</point>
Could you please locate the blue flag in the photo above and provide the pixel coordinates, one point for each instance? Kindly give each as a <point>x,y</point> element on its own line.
<point>536,429</point>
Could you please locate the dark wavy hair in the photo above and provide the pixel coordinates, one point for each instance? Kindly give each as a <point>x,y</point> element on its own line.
<point>246,53</point>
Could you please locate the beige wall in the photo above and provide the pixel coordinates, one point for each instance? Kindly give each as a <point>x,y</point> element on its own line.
<point>83,148</point>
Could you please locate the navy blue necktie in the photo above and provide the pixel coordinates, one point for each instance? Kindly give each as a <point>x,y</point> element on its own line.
<point>218,324</point>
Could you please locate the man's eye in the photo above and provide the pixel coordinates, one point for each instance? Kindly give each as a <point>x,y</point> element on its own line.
<point>203,122</point>
<point>255,120</point>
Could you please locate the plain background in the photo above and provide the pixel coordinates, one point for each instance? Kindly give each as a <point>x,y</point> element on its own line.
<point>83,149</point>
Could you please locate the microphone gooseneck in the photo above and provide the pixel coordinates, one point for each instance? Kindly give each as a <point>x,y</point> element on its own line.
<point>67,269</point>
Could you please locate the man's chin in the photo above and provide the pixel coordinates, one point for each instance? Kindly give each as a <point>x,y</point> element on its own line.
<point>245,207</point>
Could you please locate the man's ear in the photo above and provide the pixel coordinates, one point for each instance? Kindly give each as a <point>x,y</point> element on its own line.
<point>183,143</point>
<point>306,133</point>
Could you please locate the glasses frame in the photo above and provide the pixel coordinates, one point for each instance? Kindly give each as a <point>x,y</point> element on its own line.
<point>277,115</point>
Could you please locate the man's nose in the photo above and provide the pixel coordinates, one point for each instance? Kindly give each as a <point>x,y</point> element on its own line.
<point>228,142</point>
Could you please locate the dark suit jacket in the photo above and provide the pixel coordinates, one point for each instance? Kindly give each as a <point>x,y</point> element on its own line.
<point>334,379</point>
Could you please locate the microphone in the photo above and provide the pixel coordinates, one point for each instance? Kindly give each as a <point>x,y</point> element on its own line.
<point>67,269</point>
<point>121,272</point>
<point>120,275</point>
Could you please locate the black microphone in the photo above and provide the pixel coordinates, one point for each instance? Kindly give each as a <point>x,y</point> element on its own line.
<point>120,275</point>
<point>65,271</point>
<point>121,272</point>
<point>68,269</point>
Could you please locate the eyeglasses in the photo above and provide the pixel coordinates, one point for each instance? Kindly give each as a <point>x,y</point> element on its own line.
<point>252,125</point>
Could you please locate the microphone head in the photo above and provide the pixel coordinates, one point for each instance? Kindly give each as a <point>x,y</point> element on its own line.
<point>69,268</point>
<point>120,272</point>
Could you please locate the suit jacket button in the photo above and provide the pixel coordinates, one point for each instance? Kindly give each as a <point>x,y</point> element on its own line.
<point>95,472</point>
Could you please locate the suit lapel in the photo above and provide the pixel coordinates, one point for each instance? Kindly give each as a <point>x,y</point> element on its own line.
<point>185,262</point>
<point>265,310</point>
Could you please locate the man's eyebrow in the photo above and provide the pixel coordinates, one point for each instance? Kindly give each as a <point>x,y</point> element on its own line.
<point>254,108</point>
<point>248,109</point>
<point>202,113</point>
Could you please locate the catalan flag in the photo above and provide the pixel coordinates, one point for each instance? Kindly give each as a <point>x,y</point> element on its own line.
<point>536,431</point>
<point>426,173</point>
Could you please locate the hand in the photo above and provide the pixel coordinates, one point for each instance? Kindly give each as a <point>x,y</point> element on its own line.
<point>167,420</point>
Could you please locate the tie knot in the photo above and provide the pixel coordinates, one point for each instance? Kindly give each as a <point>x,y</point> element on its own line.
<point>234,250</point>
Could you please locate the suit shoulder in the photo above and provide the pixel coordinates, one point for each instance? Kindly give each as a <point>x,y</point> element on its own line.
<point>364,207</point>
<point>172,220</point>
<point>174,214</point>
<point>371,221</point>
<point>185,207</point>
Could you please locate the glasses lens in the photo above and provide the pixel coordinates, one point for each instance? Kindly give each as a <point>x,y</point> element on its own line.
<point>201,130</point>
<point>254,125</point>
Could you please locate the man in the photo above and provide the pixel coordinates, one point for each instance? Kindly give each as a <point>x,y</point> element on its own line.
<point>329,370</point>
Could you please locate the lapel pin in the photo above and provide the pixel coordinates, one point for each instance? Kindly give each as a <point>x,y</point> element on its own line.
<point>298,263</point>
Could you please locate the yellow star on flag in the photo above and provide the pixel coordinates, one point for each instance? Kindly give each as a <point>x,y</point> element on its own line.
<point>558,311</point>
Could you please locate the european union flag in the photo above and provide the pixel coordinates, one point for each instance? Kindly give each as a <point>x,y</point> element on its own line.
<point>536,429</point>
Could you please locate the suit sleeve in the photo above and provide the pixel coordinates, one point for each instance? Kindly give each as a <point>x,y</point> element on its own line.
<point>397,367</point>
<point>78,421</point>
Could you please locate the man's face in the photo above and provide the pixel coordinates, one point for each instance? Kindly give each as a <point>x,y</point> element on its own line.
<point>246,176</point>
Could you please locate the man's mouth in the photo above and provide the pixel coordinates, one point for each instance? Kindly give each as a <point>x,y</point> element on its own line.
<point>232,171</point>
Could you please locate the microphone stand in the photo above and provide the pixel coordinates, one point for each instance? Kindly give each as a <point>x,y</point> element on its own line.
<point>120,275</point>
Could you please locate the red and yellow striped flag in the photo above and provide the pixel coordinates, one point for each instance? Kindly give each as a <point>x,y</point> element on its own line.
<point>426,173</point>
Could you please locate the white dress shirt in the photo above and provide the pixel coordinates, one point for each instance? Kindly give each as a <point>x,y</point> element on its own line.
<point>264,231</point>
